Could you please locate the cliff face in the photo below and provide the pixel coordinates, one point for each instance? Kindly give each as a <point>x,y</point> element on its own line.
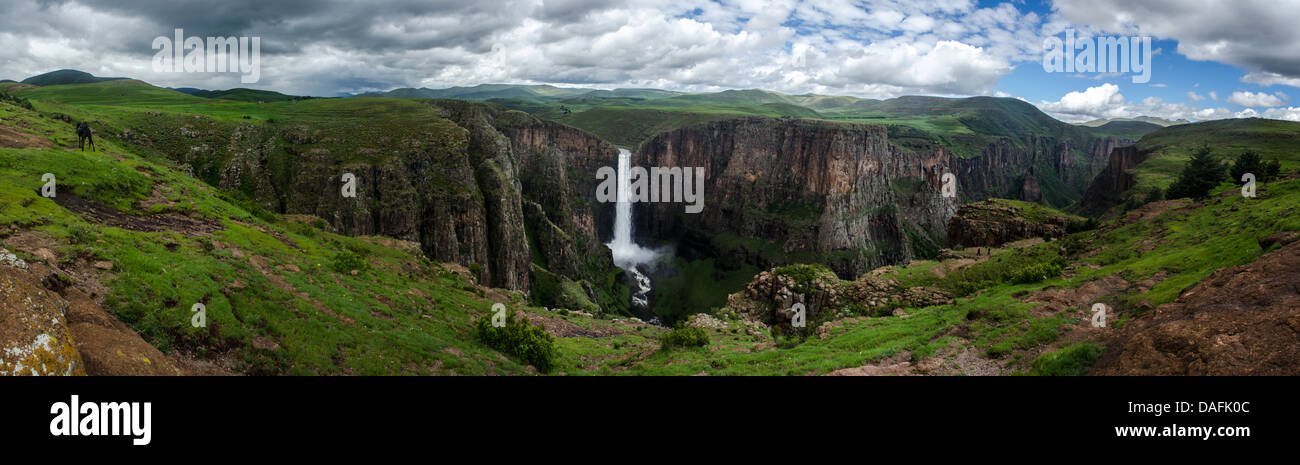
<point>841,194</point>
<point>1017,169</point>
<point>472,183</point>
<point>1108,187</point>
<point>814,189</point>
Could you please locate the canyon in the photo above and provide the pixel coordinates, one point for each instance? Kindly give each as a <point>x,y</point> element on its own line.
<point>513,197</point>
<point>844,194</point>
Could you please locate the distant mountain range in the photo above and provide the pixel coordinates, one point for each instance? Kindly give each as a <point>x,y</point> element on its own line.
<point>240,94</point>
<point>534,93</point>
<point>993,116</point>
<point>1143,119</point>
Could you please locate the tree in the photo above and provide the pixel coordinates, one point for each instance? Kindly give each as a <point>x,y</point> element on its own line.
<point>1273,169</point>
<point>1202,173</point>
<point>1248,162</point>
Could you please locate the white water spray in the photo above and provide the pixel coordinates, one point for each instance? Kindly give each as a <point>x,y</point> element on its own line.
<point>627,254</point>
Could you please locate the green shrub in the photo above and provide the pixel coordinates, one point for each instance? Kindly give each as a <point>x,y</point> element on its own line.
<point>1155,195</point>
<point>346,261</point>
<point>1248,162</point>
<point>1035,273</point>
<point>529,343</point>
<point>685,336</point>
<point>1074,360</point>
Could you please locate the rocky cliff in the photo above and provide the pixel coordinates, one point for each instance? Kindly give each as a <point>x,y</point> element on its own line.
<point>785,191</point>
<point>1108,188</point>
<point>1049,170</point>
<point>818,190</point>
<point>473,183</point>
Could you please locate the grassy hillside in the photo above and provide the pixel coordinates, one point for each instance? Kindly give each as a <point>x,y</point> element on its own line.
<point>1171,147</point>
<point>1132,130</point>
<point>262,277</point>
<point>66,76</point>
<point>246,95</point>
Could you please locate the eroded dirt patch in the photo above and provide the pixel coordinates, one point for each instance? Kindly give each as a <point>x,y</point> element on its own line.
<point>11,138</point>
<point>560,327</point>
<point>109,216</point>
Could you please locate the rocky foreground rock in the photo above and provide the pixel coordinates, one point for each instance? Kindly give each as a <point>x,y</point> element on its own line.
<point>770,297</point>
<point>1243,320</point>
<point>48,333</point>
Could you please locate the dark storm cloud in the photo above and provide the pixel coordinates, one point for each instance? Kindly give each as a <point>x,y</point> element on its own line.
<point>570,11</point>
<point>288,26</point>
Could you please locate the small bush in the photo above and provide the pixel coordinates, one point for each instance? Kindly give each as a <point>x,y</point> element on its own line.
<point>1074,360</point>
<point>532,344</point>
<point>80,233</point>
<point>685,336</point>
<point>1035,273</point>
<point>346,261</point>
<point>1155,195</point>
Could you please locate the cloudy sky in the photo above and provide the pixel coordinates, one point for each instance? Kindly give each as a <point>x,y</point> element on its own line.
<point>1211,58</point>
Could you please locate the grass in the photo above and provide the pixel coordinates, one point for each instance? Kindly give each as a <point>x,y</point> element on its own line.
<point>1074,360</point>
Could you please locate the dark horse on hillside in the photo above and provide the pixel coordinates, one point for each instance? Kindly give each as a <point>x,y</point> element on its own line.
<point>84,134</point>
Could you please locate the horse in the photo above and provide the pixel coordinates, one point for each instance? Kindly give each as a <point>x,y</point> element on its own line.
<point>84,134</point>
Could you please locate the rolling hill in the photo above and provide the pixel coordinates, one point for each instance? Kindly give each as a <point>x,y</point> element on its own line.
<point>65,76</point>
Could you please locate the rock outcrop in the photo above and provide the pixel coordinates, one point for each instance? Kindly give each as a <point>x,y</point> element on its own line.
<point>771,296</point>
<point>1242,320</point>
<point>34,336</point>
<point>993,222</point>
<point>45,333</point>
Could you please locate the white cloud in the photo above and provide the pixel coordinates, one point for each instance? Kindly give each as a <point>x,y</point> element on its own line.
<point>1269,79</point>
<point>1106,101</point>
<point>1256,99</point>
<point>869,48</point>
<point>1284,113</point>
<point>1258,35</point>
<point>1195,97</point>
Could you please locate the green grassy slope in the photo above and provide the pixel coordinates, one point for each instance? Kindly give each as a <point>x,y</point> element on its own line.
<point>1133,130</point>
<point>65,76</point>
<point>246,95</point>
<point>1171,147</point>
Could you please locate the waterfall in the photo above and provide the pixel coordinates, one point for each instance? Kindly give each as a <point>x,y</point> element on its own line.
<point>627,254</point>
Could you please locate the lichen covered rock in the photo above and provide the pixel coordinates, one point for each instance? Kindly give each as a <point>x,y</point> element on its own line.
<point>34,336</point>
